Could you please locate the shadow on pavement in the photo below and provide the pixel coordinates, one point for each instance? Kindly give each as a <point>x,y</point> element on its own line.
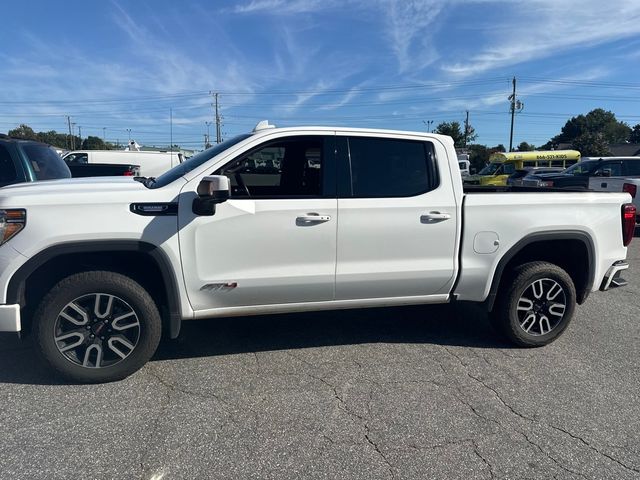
<point>462,324</point>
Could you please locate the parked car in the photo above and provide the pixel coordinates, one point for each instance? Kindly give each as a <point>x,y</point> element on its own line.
<point>151,164</point>
<point>351,218</point>
<point>517,178</point>
<point>580,174</point>
<point>29,161</point>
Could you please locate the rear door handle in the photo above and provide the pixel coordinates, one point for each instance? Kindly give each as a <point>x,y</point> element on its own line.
<point>312,218</point>
<point>433,217</point>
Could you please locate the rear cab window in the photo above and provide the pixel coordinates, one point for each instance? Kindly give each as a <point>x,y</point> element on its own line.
<point>388,167</point>
<point>632,167</point>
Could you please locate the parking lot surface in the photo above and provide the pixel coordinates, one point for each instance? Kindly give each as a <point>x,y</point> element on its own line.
<point>415,392</point>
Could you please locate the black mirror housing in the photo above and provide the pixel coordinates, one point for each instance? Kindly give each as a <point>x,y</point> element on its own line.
<point>211,190</point>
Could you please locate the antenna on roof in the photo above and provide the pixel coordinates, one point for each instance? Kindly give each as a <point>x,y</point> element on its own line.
<point>263,125</point>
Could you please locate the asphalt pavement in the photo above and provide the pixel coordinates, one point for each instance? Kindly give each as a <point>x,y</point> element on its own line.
<point>402,393</point>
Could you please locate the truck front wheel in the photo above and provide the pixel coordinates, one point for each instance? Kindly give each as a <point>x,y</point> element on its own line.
<point>97,327</point>
<point>536,305</point>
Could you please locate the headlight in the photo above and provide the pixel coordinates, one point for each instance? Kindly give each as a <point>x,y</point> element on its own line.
<point>11,222</point>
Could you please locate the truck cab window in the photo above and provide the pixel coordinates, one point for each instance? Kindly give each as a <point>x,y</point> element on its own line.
<point>288,168</point>
<point>609,169</point>
<point>76,158</point>
<point>385,167</point>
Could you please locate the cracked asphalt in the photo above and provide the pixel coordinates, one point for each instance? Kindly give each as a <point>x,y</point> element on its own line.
<point>414,392</point>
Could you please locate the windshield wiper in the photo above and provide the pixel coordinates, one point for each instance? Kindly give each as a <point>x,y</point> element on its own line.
<point>147,182</point>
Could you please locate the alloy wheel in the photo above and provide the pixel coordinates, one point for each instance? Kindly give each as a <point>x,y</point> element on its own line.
<point>97,330</point>
<point>541,307</point>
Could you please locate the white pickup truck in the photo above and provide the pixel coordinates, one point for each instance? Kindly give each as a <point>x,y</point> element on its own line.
<point>292,220</point>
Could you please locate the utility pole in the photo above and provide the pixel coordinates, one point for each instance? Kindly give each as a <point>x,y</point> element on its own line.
<point>70,136</point>
<point>73,135</point>
<point>104,134</point>
<point>218,131</point>
<point>129,132</point>
<point>466,129</point>
<point>515,106</point>
<point>80,135</point>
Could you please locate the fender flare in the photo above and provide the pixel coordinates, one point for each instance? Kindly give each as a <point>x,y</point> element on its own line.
<point>541,237</point>
<point>16,286</point>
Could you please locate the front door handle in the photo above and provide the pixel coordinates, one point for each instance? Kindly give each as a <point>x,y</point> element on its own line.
<point>312,218</point>
<point>433,217</point>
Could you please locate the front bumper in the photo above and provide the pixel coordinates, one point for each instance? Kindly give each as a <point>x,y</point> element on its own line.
<point>612,278</point>
<point>10,318</point>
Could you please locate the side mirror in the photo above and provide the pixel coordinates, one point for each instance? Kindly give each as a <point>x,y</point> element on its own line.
<point>606,172</point>
<point>211,191</point>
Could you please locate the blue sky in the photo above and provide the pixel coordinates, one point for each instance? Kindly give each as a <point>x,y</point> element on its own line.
<point>118,65</point>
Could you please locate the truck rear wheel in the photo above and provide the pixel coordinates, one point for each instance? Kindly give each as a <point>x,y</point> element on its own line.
<point>97,327</point>
<point>536,305</point>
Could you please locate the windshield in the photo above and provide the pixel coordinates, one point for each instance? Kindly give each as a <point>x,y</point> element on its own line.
<point>490,169</point>
<point>195,161</point>
<point>581,168</point>
<point>45,162</point>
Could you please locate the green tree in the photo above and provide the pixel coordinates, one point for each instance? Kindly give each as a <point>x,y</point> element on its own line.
<point>597,122</point>
<point>634,137</point>
<point>60,140</point>
<point>94,143</point>
<point>23,131</point>
<point>525,147</point>
<point>591,145</point>
<point>478,157</point>
<point>455,131</point>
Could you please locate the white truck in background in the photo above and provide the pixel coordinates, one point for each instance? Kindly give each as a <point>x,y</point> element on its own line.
<point>293,220</point>
<point>629,185</point>
<point>151,164</point>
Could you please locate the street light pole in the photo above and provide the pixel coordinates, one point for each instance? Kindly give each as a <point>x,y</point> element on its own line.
<point>208,142</point>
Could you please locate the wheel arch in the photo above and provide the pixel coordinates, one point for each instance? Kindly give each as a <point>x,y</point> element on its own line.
<point>142,261</point>
<point>573,250</point>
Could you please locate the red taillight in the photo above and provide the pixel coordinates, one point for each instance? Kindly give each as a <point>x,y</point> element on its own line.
<point>129,173</point>
<point>628,222</point>
<point>631,189</point>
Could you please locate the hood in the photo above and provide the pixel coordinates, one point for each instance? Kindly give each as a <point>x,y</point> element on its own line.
<point>550,175</point>
<point>79,190</point>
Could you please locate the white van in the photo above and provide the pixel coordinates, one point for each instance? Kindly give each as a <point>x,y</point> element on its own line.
<point>152,164</point>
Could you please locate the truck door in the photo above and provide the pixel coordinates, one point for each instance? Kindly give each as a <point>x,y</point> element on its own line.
<point>397,219</point>
<point>274,240</point>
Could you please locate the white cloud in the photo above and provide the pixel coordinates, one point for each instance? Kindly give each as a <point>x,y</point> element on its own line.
<point>280,6</point>
<point>536,29</point>
<point>410,26</point>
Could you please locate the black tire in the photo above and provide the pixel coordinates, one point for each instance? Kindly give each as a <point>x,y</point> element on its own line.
<point>140,329</point>
<point>528,328</point>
